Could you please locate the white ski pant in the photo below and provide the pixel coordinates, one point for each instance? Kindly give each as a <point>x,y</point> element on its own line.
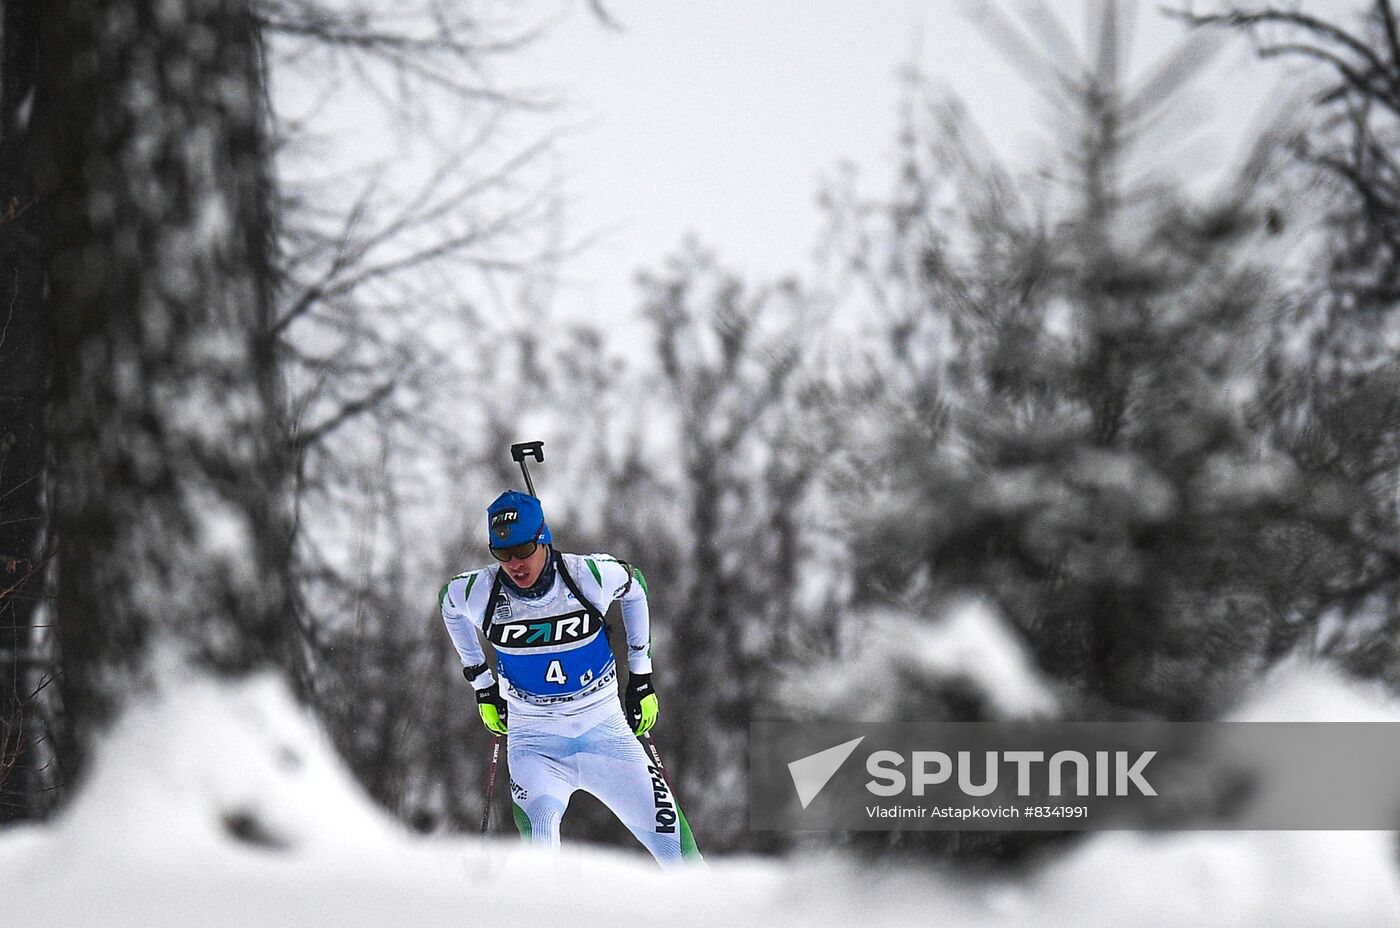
<point>607,761</point>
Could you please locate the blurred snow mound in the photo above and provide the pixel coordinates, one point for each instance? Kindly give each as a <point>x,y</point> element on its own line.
<point>903,655</point>
<point>1279,879</point>
<point>1299,690</point>
<point>222,803</point>
<point>204,760</point>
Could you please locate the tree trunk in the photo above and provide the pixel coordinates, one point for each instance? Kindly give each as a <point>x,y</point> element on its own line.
<point>24,358</point>
<point>168,466</point>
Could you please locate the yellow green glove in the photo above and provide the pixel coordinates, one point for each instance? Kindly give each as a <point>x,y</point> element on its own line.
<point>642,704</point>
<point>492,708</point>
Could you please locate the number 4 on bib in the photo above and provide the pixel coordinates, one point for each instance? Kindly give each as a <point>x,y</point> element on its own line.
<point>555,673</point>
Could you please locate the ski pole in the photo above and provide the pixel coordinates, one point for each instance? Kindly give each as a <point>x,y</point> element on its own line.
<point>527,449</point>
<point>655,756</point>
<point>519,451</point>
<point>491,781</point>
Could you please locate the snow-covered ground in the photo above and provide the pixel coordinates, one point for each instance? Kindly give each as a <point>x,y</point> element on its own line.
<point>147,843</point>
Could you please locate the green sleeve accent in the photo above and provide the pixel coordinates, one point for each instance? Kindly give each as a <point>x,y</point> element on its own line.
<point>522,821</point>
<point>594,567</point>
<point>641,578</point>
<point>442,593</point>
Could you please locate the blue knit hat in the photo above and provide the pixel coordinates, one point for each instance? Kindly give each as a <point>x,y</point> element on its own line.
<point>515,518</point>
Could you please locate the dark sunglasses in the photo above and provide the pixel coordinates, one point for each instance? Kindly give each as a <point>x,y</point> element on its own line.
<point>521,551</point>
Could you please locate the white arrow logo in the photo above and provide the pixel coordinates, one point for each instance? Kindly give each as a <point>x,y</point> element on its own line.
<point>811,773</point>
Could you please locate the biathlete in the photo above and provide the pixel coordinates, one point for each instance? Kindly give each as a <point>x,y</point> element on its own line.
<point>542,611</point>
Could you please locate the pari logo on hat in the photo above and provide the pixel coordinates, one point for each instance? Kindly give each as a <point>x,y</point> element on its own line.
<point>501,523</point>
<point>514,519</point>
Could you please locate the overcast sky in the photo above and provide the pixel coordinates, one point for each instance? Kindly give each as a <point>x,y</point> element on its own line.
<point>720,117</point>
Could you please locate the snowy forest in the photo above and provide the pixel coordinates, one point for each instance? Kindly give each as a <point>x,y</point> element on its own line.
<point>1062,433</point>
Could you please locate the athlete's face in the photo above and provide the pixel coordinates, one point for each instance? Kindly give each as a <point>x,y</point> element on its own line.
<point>524,571</point>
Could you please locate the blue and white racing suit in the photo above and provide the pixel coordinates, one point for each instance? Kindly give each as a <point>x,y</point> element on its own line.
<point>567,729</point>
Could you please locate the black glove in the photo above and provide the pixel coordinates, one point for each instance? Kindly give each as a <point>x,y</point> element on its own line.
<point>641,703</point>
<point>492,709</point>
